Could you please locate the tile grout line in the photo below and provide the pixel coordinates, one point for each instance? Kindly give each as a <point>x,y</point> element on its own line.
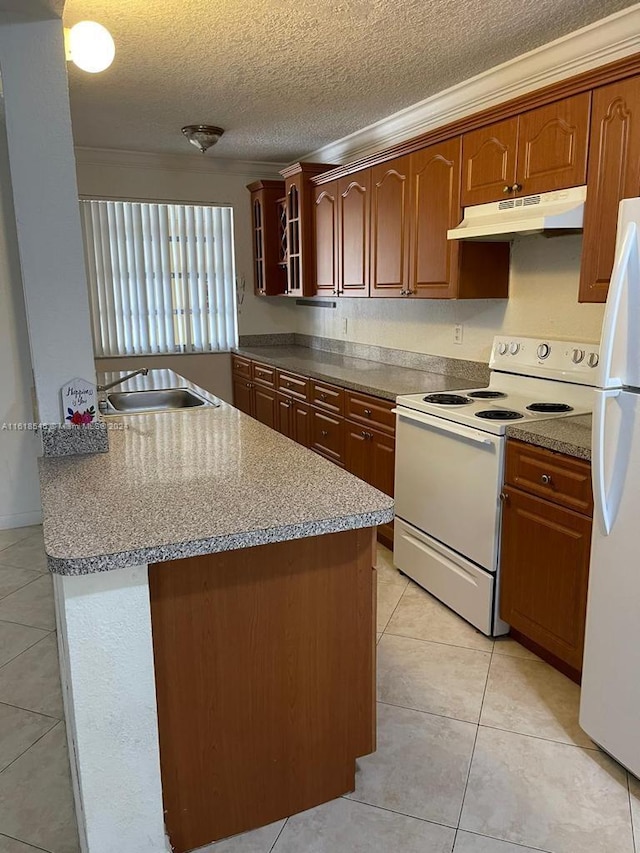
<point>277,838</point>
<point>441,642</point>
<point>633,829</point>
<point>20,841</point>
<point>18,757</point>
<point>31,711</point>
<point>26,649</point>
<point>514,843</point>
<point>24,625</point>
<point>353,799</point>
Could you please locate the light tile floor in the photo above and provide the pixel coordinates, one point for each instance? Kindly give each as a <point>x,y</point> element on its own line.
<point>479,749</point>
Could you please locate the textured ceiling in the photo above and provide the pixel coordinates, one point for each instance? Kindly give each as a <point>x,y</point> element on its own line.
<point>283,77</point>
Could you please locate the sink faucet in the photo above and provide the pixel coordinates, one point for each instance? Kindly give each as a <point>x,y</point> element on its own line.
<point>109,385</point>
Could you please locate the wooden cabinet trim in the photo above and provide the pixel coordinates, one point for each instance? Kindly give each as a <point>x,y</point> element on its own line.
<point>610,73</point>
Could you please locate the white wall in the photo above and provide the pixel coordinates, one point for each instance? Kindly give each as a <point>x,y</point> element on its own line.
<point>543,301</point>
<point>189,178</point>
<point>19,490</point>
<point>38,122</point>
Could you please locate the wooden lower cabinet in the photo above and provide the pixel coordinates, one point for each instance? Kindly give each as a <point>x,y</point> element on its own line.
<point>370,455</point>
<point>544,571</point>
<point>265,680</point>
<point>264,403</point>
<point>351,429</point>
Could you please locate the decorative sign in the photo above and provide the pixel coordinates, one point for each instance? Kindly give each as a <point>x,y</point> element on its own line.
<point>79,402</point>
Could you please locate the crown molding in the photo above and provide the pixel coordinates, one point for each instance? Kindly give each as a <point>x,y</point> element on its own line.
<point>176,162</point>
<point>602,42</point>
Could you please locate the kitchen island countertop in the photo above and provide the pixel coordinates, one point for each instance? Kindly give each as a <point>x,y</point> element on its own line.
<point>570,435</point>
<point>185,483</point>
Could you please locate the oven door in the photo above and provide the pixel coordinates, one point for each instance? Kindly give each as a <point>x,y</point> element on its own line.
<point>448,482</point>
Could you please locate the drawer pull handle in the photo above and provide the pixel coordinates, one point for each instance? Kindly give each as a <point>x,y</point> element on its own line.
<point>366,435</point>
<point>323,396</point>
<point>546,480</point>
<point>368,412</point>
<point>504,497</point>
<point>324,432</point>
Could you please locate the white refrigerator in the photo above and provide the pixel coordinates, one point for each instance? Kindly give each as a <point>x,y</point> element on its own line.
<point>610,698</point>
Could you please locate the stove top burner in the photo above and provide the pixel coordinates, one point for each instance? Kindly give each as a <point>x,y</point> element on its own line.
<point>550,407</point>
<point>447,399</point>
<point>499,415</point>
<point>486,395</point>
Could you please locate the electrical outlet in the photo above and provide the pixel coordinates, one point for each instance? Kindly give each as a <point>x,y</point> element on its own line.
<point>457,333</point>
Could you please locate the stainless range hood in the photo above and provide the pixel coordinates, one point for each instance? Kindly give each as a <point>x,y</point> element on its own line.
<point>557,212</point>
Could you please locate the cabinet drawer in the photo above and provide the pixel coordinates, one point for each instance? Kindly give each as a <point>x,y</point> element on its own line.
<point>558,478</point>
<point>327,397</point>
<point>241,366</point>
<point>264,374</point>
<point>327,436</point>
<point>290,383</point>
<point>372,411</point>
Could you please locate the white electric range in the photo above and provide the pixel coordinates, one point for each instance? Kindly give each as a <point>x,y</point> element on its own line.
<point>450,451</point>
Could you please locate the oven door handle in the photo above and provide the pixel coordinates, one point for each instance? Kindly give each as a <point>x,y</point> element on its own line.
<point>449,429</point>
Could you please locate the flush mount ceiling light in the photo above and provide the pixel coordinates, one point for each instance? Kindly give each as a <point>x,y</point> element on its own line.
<point>203,136</point>
<point>89,46</point>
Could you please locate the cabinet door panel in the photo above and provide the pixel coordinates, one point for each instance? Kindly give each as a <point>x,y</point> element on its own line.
<point>301,417</point>
<point>353,230</point>
<point>243,395</point>
<point>489,162</point>
<point>264,402</point>
<point>544,573</point>
<point>327,436</point>
<point>435,207</point>
<point>390,227</point>
<point>326,221</point>
<point>614,174</point>
<point>284,415</point>
<point>552,146</point>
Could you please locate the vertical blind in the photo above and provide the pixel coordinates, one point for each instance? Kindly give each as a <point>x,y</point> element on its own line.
<point>161,277</point>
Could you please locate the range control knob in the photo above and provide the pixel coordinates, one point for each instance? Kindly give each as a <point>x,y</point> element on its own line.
<point>592,359</point>
<point>544,351</point>
<point>502,348</point>
<point>577,356</point>
<point>514,348</point>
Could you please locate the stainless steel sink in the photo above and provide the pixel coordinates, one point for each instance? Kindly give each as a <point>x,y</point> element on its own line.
<point>162,400</point>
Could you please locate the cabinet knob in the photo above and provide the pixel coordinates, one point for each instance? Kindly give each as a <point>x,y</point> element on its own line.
<point>368,412</point>
<point>546,479</point>
<point>324,432</point>
<point>366,435</point>
<point>322,396</point>
<point>504,497</point>
<point>507,189</point>
<point>516,188</point>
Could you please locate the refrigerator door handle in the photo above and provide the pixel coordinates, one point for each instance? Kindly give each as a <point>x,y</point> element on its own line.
<point>600,497</point>
<point>617,285</point>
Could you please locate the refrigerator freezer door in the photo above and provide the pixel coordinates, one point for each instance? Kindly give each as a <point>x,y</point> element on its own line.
<point>610,698</point>
<point>620,345</point>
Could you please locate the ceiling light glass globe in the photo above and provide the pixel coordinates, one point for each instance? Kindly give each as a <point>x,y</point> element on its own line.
<point>92,47</point>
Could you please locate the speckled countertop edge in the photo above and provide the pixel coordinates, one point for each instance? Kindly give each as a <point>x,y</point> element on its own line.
<point>570,435</point>
<point>370,507</point>
<point>217,545</point>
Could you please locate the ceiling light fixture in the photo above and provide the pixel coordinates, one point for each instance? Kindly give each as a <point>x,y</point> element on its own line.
<point>203,136</point>
<point>89,46</point>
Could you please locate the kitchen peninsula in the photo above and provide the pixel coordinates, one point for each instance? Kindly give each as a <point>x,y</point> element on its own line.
<point>215,606</point>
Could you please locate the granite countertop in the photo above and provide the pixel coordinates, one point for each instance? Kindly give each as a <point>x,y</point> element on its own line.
<point>191,482</point>
<point>359,374</point>
<point>570,435</point>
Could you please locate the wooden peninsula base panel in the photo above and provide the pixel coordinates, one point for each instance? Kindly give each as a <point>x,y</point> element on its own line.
<point>265,679</point>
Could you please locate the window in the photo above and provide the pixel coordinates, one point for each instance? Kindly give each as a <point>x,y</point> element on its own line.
<point>161,277</point>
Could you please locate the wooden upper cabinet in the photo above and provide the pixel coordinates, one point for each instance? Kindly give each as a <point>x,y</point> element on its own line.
<point>390,227</point>
<point>440,268</point>
<point>353,198</point>
<point>266,207</point>
<point>614,174</point>
<point>299,197</point>
<point>435,207</point>
<point>326,238</point>
<point>552,146</point>
<point>539,151</point>
<point>489,162</point>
